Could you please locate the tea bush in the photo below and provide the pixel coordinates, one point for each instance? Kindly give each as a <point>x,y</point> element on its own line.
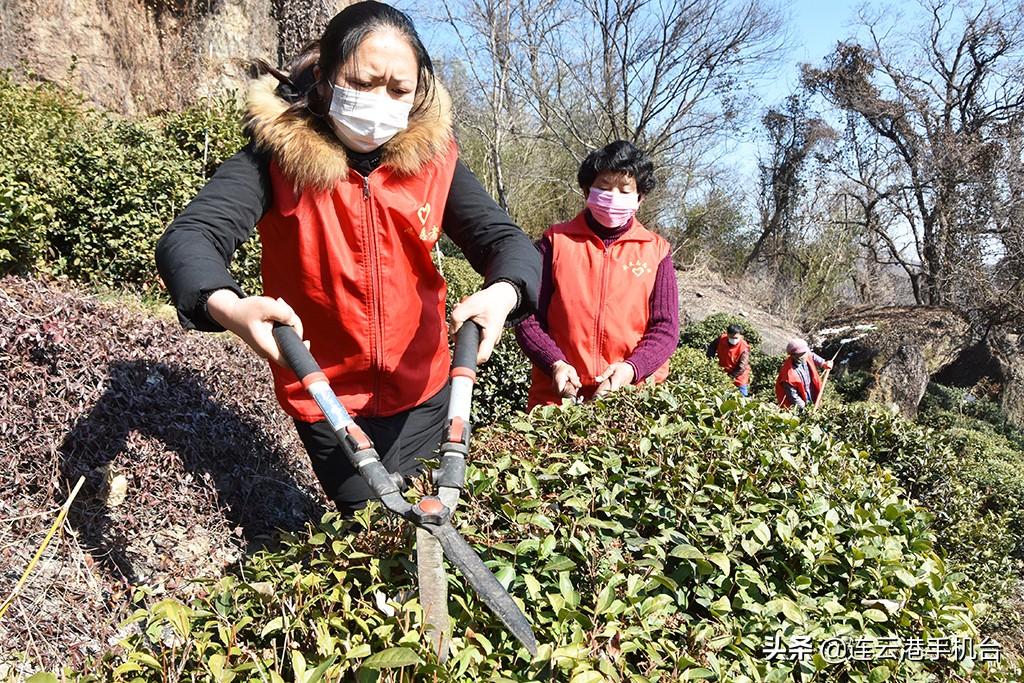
<point>972,482</point>
<point>89,193</point>
<point>688,364</point>
<point>764,368</point>
<point>504,381</point>
<point>36,121</point>
<point>86,194</point>
<point>209,132</point>
<point>995,470</point>
<point>661,534</point>
<point>946,407</point>
<point>853,386</point>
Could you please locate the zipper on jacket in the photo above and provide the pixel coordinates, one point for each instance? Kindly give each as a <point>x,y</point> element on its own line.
<point>599,332</point>
<point>376,361</point>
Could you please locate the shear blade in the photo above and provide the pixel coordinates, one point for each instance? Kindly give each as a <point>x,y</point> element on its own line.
<point>484,583</point>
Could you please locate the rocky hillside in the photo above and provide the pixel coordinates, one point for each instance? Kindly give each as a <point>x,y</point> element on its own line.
<point>138,57</point>
<point>703,292</point>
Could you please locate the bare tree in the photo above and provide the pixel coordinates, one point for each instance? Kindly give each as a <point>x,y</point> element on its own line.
<point>498,131</point>
<point>551,80</point>
<point>484,29</point>
<point>665,75</point>
<point>930,155</point>
<point>792,136</point>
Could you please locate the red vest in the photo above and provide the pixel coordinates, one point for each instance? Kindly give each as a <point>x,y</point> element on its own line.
<point>355,264</point>
<point>788,375</point>
<point>729,357</point>
<point>600,301</point>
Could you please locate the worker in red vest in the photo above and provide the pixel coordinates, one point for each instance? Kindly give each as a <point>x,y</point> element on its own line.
<point>733,353</point>
<point>351,175</point>
<point>799,384</point>
<point>608,306</point>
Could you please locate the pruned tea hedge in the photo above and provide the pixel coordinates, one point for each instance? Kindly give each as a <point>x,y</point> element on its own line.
<point>662,534</point>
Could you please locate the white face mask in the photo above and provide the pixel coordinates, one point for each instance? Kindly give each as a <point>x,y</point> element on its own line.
<point>364,121</point>
<point>733,341</point>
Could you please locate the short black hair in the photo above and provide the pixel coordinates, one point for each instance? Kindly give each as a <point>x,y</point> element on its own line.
<point>734,329</point>
<point>619,157</point>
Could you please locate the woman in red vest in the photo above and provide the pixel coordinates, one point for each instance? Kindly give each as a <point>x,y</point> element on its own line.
<point>799,384</point>
<point>350,175</point>
<point>608,308</point>
<point>733,353</point>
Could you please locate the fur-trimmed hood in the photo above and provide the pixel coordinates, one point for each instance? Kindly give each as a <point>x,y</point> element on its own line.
<point>310,154</point>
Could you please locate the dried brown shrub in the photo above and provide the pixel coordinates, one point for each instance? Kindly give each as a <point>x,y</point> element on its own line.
<point>189,462</point>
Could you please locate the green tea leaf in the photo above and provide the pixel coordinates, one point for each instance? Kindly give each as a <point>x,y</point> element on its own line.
<point>392,658</point>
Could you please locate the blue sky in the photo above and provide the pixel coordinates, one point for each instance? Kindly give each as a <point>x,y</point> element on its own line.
<point>814,26</point>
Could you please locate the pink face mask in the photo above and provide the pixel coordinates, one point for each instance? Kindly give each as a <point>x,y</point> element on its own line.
<point>612,209</point>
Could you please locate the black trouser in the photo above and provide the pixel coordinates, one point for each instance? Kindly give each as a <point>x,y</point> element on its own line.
<point>401,440</point>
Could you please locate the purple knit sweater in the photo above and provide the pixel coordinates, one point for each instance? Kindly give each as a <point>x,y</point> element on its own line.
<point>654,348</point>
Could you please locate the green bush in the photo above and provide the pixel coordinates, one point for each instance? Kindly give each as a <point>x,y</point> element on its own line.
<point>36,123</point>
<point>972,482</point>
<point>503,382</point>
<point>86,194</point>
<point>764,369</point>
<point>90,193</point>
<point>694,366</point>
<point>853,386</point>
<point>663,534</point>
<point>699,335</point>
<point>209,132</point>
<point>945,407</point>
<point>995,471</point>
<point>129,184</point>
<point>941,397</point>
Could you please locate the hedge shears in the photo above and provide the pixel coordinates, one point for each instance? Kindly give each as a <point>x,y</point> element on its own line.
<point>431,514</point>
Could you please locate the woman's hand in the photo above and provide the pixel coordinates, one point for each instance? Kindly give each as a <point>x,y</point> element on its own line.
<point>565,380</point>
<point>489,308</point>
<point>252,319</point>
<point>614,378</point>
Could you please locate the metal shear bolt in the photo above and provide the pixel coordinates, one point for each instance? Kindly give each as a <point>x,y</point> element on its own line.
<point>431,510</point>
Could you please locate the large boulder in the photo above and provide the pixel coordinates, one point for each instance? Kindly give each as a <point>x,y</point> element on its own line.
<point>901,348</point>
<point>902,378</point>
<point>1008,351</point>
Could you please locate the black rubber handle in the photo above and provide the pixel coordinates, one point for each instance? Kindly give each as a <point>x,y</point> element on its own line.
<point>467,343</point>
<point>300,360</point>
